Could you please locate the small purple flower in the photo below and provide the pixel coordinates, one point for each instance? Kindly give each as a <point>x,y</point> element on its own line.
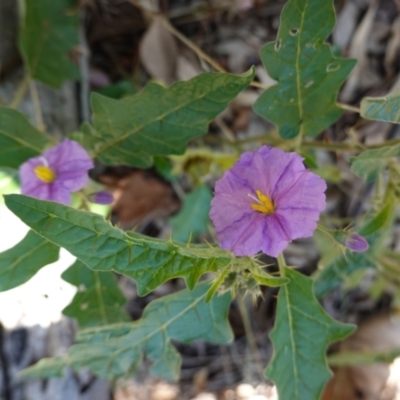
<point>356,242</point>
<point>265,201</point>
<point>56,173</point>
<point>102,197</point>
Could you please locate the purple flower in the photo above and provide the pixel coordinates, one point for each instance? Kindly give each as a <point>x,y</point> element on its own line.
<point>56,173</point>
<point>265,201</point>
<point>102,197</point>
<point>356,242</point>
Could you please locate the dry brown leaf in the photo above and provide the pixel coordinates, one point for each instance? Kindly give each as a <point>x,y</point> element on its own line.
<point>362,76</point>
<point>367,382</point>
<point>393,48</point>
<point>139,197</point>
<point>346,24</point>
<point>159,51</point>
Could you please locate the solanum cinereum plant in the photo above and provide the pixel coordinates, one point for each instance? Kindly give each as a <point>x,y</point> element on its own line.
<point>262,203</point>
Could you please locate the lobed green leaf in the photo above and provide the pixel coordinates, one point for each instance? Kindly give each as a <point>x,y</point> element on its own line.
<point>385,109</point>
<point>25,259</point>
<point>158,121</point>
<point>300,337</point>
<point>335,267</point>
<point>116,350</point>
<point>105,248</point>
<point>98,301</point>
<point>370,163</point>
<point>19,140</point>
<point>49,32</point>
<point>308,75</point>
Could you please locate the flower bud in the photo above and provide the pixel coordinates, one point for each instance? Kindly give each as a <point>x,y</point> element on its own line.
<point>356,242</point>
<point>102,197</point>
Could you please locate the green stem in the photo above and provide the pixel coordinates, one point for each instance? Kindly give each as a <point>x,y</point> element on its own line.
<point>36,105</point>
<point>249,334</point>
<point>281,264</point>
<point>20,92</point>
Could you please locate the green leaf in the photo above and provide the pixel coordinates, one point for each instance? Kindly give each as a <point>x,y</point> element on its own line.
<point>118,90</point>
<point>46,367</point>
<point>115,351</point>
<point>19,140</point>
<point>363,357</point>
<point>300,337</point>
<point>193,218</point>
<point>335,270</point>
<point>21,262</point>
<point>335,267</point>
<point>158,121</point>
<point>98,301</point>
<point>370,163</point>
<point>309,76</point>
<point>105,248</point>
<point>385,109</point>
<point>49,32</point>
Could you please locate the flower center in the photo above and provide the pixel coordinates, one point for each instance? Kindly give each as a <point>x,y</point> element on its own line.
<point>45,174</point>
<point>263,203</point>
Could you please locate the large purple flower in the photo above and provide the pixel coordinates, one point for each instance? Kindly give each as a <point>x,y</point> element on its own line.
<point>56,173</point>
<point>265,201</point>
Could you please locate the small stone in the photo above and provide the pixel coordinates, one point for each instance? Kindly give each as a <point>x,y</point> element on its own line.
<point>245,391</point>
<point>164,391</point>
<point>205,396</point>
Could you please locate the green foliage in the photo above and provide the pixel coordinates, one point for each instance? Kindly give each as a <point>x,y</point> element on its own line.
<point>49,32</point>
<point>309,76</point>
<point>46,367</point>
<point>102,247</point>
<point>158,121</point>
<point>336,266</point>
<point>105,248</point>
<point>98,300</point>
<point>21,262</point>
<point>116,350</point>
<point>382,108</point>
<point>370,163</point>
<point>363,357</point>
<point>118,90</point>
<point>19,140</point>
<point>300,337</point>
<point>193,218</point>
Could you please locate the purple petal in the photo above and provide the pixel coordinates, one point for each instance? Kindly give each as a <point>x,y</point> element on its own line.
<point>30,183</point>
<point>300,190</point>
<point>299,222</point>
<point>356,242</point>
<point>298,196</point>
<point>248,236</point>
<point>276,236</point>
<point>263,169</point>
<point>71,163</point>
<point>102,197</point>
<point>59,193</point>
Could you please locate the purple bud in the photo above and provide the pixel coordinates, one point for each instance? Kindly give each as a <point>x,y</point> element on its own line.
<point>356,243</point>
<point>102,197</point>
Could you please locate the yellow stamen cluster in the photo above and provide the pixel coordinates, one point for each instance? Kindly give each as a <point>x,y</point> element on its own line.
<point>45,174</point>
<point>264,203</point>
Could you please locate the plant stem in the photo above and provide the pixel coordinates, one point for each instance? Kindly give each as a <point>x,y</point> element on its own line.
<point>20,92</point>
<point>200,53</point>
<point>281,264</point>
<point>36,105</point>
<point>348,107</point>
<point>249,334</point>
